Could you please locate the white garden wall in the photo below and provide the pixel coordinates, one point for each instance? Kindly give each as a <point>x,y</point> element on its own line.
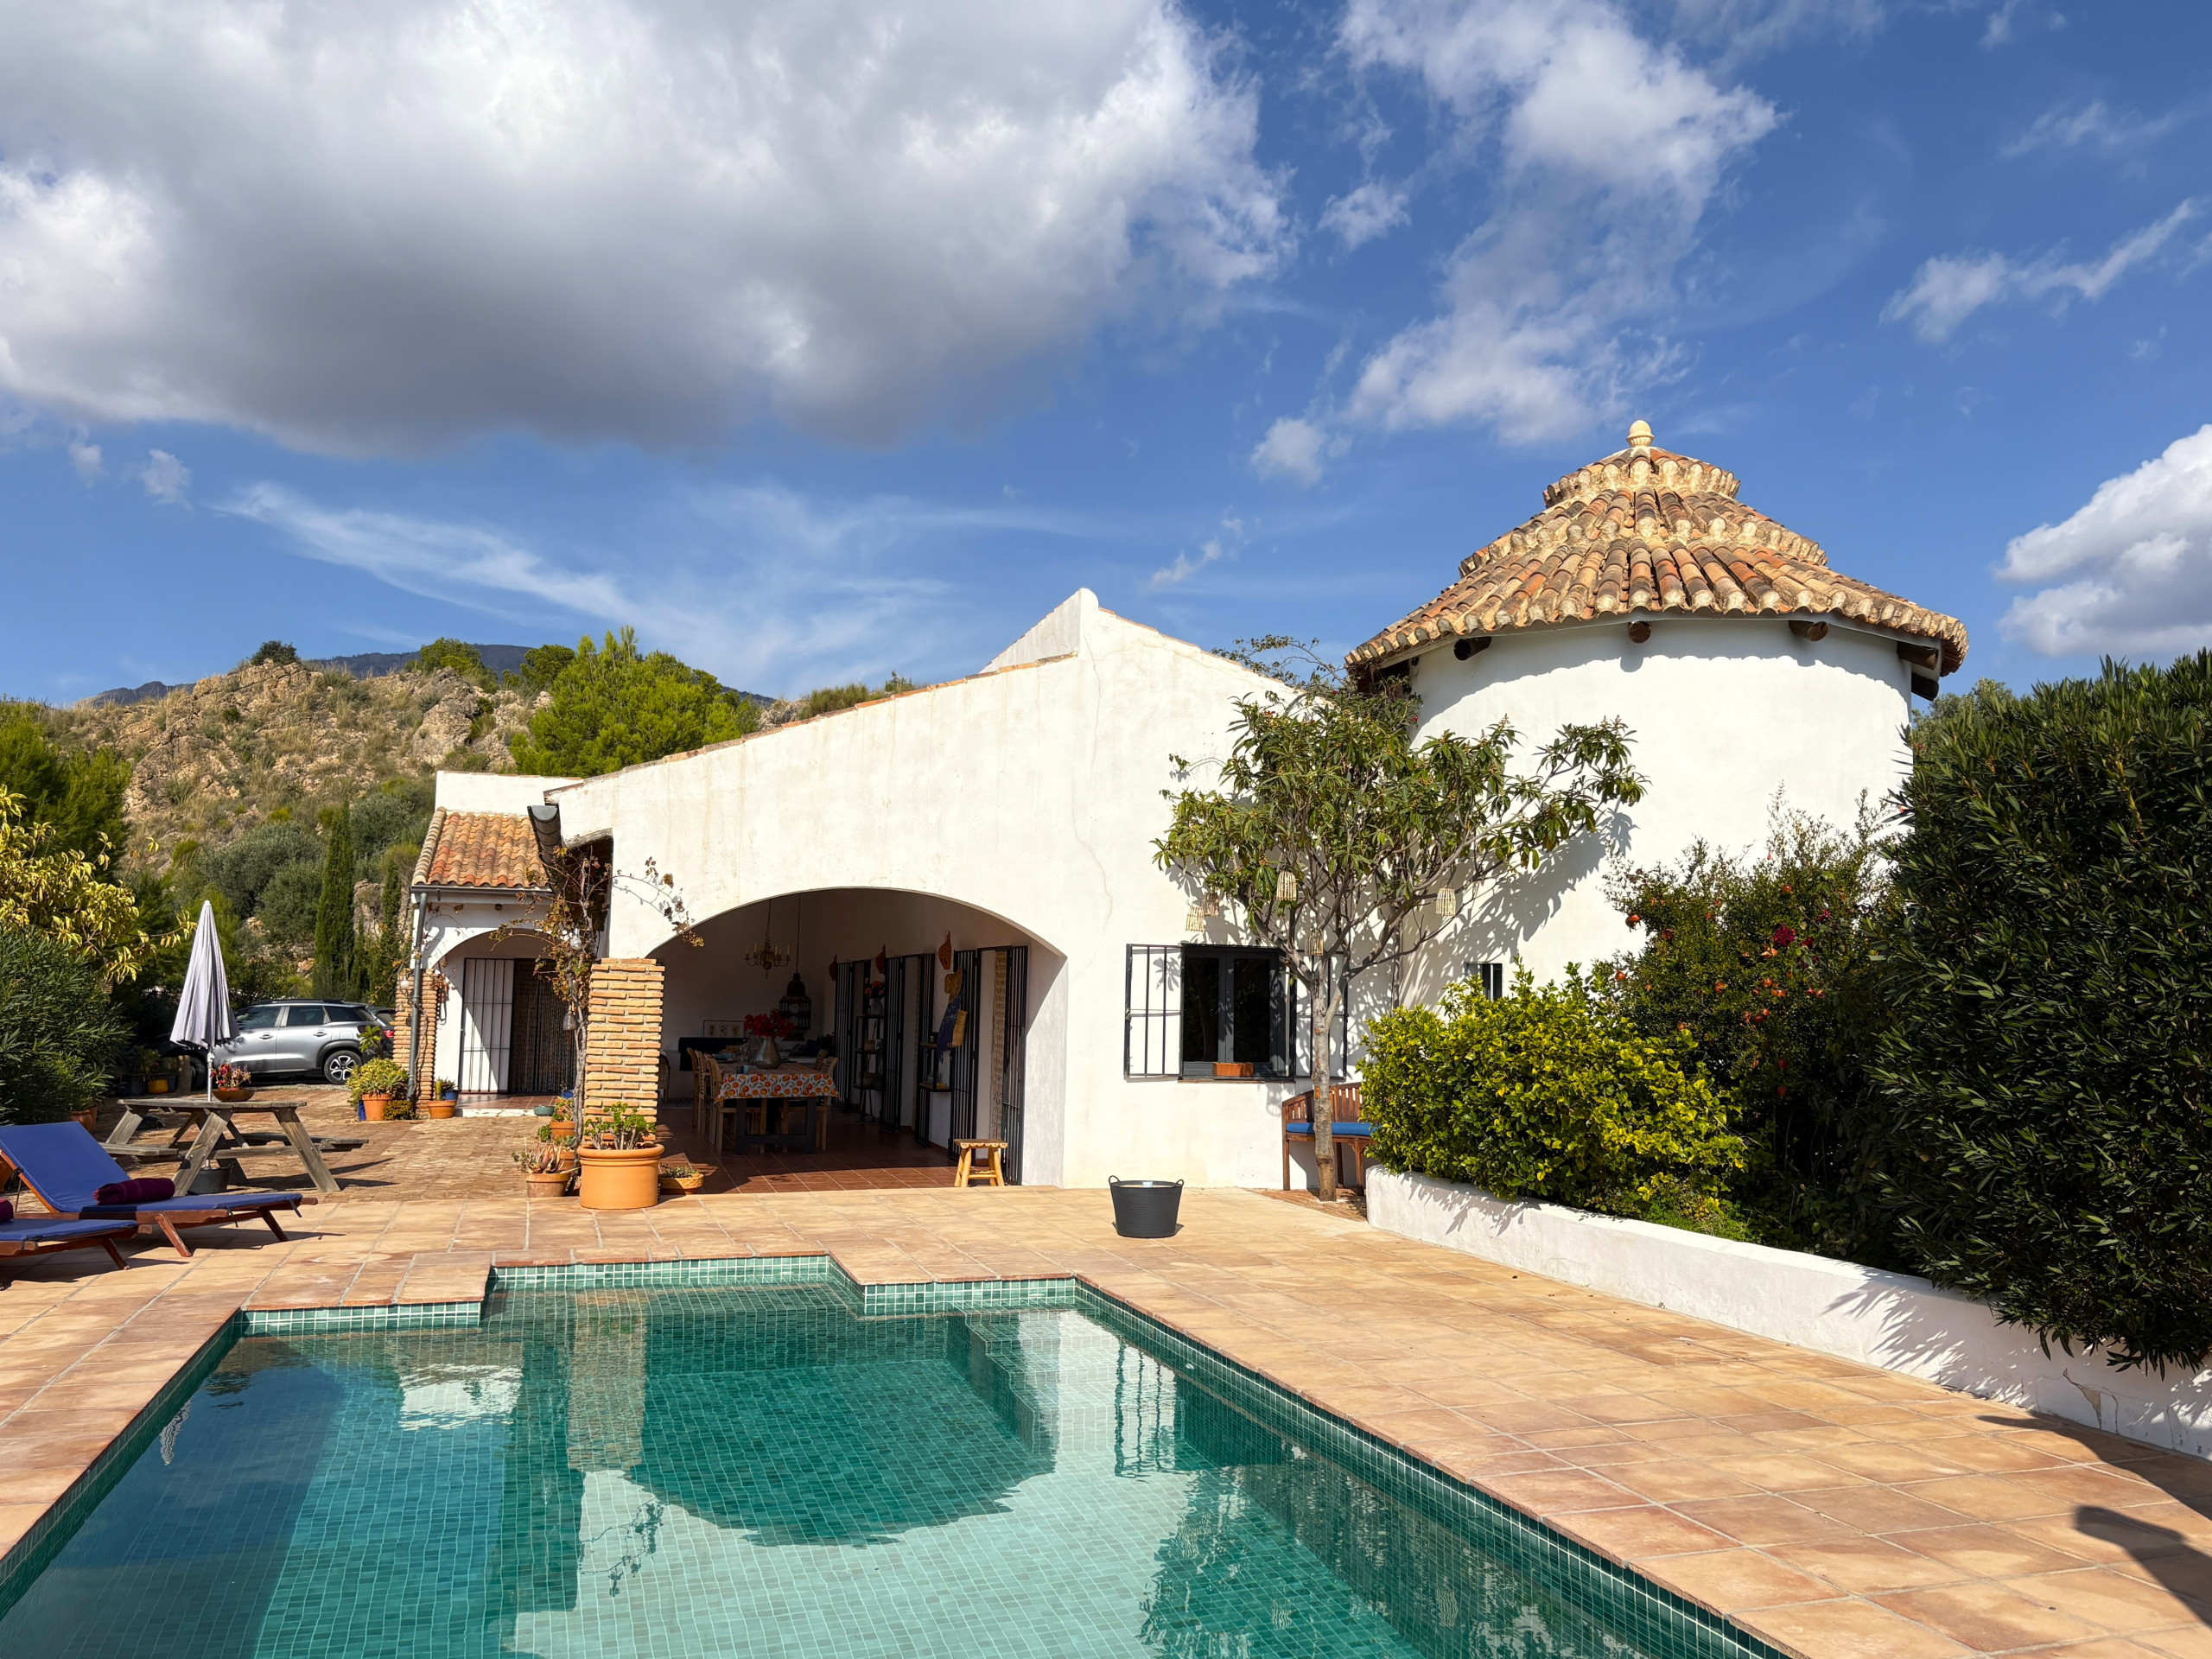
<point>1892,1321</point>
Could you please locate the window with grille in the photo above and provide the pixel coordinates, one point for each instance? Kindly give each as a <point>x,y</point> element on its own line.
<point>1492,975</point>
<point>1206,1011</point>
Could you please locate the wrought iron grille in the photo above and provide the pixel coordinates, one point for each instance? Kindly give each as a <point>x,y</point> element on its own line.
<point>1152,1031</point>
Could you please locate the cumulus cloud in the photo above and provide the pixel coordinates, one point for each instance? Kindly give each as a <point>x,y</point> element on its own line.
<point>1292,448</point>
<point>372,228</point>
<point>1361,215</point>
<point>2131,573</point>
<point>85,456</point>
<point>1947,289</point>
<point>165,477</point>
<point>1606,149</point>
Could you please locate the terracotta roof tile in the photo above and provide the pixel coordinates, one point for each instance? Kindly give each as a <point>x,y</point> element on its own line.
<point>1645,530</point>
<point>480,849</point>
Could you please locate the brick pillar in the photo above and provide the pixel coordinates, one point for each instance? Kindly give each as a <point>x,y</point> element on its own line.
<point>426,1061</point>
<point>622,1065</point>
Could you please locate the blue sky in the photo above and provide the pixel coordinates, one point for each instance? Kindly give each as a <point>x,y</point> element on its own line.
<point>822,341</point>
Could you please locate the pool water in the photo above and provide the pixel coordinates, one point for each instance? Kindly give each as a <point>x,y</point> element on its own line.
<point>755,1472</point>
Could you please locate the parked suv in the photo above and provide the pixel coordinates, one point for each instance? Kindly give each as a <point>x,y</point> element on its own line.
<point>299,1035</point>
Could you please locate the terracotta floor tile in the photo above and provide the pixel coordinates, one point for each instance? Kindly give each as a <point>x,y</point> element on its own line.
<point>1879,1509</point>
<point>1989,1617</point>
<point>1762,1522</point>
<point>1671,1480</point>
<point>1636,1533</point>
<point>1846,1629</point>
<point>1867,1565</point>
<point>1728,1580</point>
<point>2112,1600</point>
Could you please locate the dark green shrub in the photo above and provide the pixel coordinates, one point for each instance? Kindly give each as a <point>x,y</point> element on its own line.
<point>247,869</point>
<point>59,1036</point>
<point>2047,1066</point>
<point>274,650</point>
<point>1769,967</point>
<point>463,660</point>
<point>1548,1093</point>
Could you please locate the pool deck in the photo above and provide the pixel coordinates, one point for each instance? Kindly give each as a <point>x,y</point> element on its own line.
<point>1835,1511</point>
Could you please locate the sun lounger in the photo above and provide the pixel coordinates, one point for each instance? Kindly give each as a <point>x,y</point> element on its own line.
<point>42,1235</point>
<point>67,1168</point>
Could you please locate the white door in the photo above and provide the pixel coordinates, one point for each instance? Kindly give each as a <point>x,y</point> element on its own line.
<point>487,1011</point>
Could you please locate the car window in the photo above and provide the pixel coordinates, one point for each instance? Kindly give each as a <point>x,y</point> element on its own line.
<point>305,1014</point>
<point>260,1019</point>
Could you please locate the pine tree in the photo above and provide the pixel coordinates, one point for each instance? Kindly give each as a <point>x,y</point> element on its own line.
<point>336,971</point>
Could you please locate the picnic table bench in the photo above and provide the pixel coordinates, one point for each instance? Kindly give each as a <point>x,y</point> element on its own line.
<point>213,1127</point>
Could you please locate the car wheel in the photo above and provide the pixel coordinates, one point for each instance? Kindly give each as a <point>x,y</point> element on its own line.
<point>338,1066</point>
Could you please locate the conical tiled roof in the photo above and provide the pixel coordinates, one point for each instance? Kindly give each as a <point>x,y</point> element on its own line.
<point>1647,530</point>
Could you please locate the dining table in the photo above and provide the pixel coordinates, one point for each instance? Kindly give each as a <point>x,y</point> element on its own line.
<point>778,1092</point>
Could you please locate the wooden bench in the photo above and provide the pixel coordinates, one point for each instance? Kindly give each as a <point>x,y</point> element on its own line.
<point>1347,1123</point>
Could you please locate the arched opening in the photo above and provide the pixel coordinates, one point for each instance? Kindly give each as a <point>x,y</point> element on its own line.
<point>502,1037</point>
<point>924,1012</point>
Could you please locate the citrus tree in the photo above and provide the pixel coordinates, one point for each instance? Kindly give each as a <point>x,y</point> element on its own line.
<point>1330,832</point>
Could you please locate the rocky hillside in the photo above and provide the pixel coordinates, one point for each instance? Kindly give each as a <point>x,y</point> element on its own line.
<point>212,761</point>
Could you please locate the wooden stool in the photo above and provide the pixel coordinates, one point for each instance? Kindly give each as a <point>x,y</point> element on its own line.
<point>994,1176</point>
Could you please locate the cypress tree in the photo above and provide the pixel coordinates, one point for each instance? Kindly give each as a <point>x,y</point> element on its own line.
<point>335,969</point>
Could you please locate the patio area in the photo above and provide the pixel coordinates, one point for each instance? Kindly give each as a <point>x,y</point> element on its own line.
<point>1832,1511</point>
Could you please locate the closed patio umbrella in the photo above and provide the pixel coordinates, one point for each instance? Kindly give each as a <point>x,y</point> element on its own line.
<point>203,1007</point>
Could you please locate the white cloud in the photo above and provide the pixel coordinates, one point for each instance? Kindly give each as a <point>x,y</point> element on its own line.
<point>1742,28</point>
<point>2131,573</point>
<point>165,477</point>
<point>1211,552</point>
<point>2069,126</point>
<point>1610,149</point>
<point>370,228</point>
<point>1947,289</point>
<point>85,456</point>
<point>1292,448</point>
<point>1363,214</point>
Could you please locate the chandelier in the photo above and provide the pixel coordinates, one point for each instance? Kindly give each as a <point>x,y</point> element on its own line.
<point>766,956</point>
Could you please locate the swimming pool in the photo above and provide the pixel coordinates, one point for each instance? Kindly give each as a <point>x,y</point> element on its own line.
<point>758,1472</point>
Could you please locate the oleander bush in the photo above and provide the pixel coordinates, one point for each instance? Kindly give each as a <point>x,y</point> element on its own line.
<point>1551,1093</point>
<point>59,1038</point>
<point>2043,1130</point>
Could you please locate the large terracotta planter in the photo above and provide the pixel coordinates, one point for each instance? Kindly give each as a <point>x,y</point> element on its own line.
<point>90,1117</point>
<point>372,1107</point>
<point>619,1179</point>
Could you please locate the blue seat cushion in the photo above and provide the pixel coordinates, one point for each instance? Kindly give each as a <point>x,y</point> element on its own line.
<point>245,1204</point>
<point>34,1230</point>
<point>1342,1131</point>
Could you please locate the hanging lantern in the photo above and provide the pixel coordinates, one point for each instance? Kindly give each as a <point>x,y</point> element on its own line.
<point>1194,918</point>
<point>1286,887</point>
<point>1447,903</point>
<point>797,1007</point>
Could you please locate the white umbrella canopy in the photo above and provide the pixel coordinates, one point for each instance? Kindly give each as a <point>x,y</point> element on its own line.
<point>203,1006</point>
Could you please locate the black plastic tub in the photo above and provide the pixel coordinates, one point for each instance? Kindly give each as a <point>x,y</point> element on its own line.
<point>1145,1209</point>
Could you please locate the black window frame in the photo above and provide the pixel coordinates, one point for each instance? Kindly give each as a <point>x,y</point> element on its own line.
<point>1156,991</point>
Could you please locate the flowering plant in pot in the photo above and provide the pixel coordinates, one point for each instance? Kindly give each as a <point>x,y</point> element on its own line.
<point>375,1086</point>
<point>544,1173</point>
<point>619,1161</point>
<point>766,1031</point>
<point>231,1083</point>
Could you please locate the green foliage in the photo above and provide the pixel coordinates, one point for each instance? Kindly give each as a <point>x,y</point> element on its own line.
<point>1329,830</point>
<point>395,814</point>
<point>377,1078</point>
<point>274,650</point>
<point>59,1036</point>
<point>245,871</point>
<point>336,971</point>
<point>80,793</point>
<point>541,666</point>
<point>829,699</point>
<point>2045,1114</point>
<point>292,906</point>
<point>1549,1093</point>
<point>613,708</point>
<point>1769,967</point>
<point>463,660</point>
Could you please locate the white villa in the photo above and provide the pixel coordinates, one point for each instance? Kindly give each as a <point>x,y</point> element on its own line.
<point>1010,817</point>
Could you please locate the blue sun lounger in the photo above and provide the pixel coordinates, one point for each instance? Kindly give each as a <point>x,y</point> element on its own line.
<point>43,1234</point>
<point>67,1168</point>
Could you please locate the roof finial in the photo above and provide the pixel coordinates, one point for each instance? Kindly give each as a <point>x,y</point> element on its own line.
<point>1639,436</point>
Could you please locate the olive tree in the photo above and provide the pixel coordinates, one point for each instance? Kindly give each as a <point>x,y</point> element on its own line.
<point>1330,832</point>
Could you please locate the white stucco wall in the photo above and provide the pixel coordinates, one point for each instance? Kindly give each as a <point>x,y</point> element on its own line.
<point>492,792</point>
<point>1725,713</point>
<point>1893,1320</point>
<point>1030,794</point>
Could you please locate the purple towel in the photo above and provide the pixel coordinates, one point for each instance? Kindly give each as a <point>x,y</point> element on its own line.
<point>137,1190</point>
<point>7,1212</point>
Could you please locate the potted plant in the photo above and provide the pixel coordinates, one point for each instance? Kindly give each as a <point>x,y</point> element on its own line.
<point>683,1177</point>
<point>232,1083</point>
<point>561,1138</point>
<point>444,1102</point>
<point>618,1162</point>
<point>544,1176</point>
<point>375,1086</point>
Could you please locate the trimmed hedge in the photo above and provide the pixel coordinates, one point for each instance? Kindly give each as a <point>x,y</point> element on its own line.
<point>1548,1094</point>
<point>2044,1134</point>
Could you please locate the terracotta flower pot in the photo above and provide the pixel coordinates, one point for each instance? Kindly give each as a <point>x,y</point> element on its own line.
<point>565,1157</point>
<point>619,1179</point>
<point>441,1107</point>
<point>372,1107</point>
<point>231,1096</point>
<point>89,1118</point>
<point>547,1185</point>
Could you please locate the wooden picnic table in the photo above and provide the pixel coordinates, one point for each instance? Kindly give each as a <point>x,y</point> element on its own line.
<point>215,1134</point>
